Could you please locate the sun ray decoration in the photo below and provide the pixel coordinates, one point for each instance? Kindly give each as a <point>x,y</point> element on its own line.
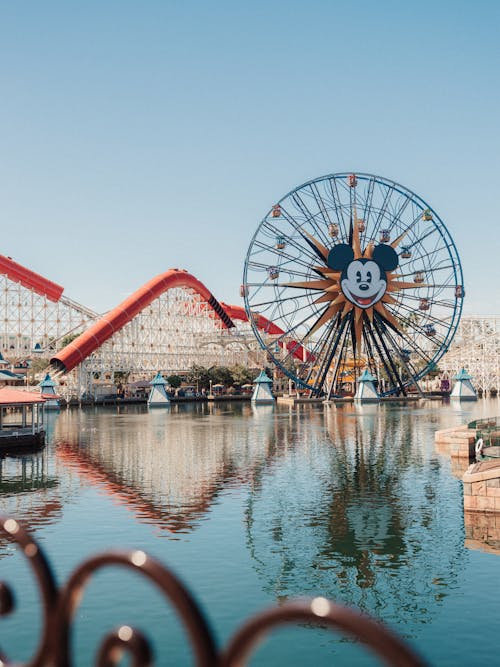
<point>358,272</point>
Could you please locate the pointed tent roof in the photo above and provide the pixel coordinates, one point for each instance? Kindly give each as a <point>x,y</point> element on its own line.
<point>262,378</point>
<point>47,382</point>
<point>366,376</point>
<point>462,375</point>
<point>158,380</point>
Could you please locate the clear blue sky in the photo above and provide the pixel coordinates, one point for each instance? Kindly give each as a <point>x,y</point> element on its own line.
<point>140,136</point>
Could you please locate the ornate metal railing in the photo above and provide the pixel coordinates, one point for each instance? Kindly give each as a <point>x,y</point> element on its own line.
<point>60,605</point>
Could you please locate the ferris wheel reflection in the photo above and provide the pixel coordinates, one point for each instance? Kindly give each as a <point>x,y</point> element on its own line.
<point>358,516</point>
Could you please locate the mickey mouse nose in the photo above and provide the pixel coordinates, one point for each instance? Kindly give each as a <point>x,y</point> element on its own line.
<point>363,286</point>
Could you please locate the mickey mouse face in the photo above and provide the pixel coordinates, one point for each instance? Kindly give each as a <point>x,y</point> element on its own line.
<point>363,281</point>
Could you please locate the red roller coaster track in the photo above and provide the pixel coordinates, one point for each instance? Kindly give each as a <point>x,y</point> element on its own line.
<point>89,341</point>
<point>30,279</point>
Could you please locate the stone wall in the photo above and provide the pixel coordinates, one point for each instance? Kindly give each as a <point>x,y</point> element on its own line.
<point>482,503</point>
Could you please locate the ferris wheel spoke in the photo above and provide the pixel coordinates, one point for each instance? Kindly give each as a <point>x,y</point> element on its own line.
<point>305,251</point>
<point>435,302</point>
<point>403,333</point>
<point>382,212</point>
<point>371,332</point>
<point>298,227</point>
<point>292,221</point>
<point>291,329</point>
<point>338,206</point>
<point>319,349</point>
<point>278,309</point>
<point>433,270</point>
<point>329,355</point>
<point>417,328</point>
<point>265,268</point>
<point>413,346</point>
<point>381,329</point>
<point>309,216</point>
<point>368,201</point>
<point>397,218</point>
<point>340,361</point>
<point>427,255</point>
<point>425,236</point>
<point>280,254</point>
<point>408,366</point>
<point>321,207</point>
<point>370,351</point>
<point>282,299</point>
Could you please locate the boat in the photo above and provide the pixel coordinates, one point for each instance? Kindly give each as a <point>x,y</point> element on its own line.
<point>21,420</point>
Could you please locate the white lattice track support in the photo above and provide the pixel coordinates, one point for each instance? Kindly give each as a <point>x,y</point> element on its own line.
<point>28,319</point>
<point>476,347</point>
<point>174,332</point>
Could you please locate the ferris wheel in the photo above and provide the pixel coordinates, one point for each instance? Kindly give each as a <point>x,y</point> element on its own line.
<point>353,272</point>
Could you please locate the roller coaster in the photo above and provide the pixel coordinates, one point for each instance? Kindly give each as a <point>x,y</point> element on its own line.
<point>170,323</point>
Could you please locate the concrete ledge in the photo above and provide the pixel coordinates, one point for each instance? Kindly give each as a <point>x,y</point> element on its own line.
<point>483,471</point>
<point>460,441</point>
<point>456,433</point>
<point>293,400</point>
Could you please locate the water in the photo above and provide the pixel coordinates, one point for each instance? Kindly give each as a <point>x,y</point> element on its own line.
<point>251,506</point>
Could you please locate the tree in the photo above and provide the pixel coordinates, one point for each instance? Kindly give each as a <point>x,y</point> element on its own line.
<point>221,375</point>
<point>174,381</point>
<point>38,365</point>
<point>68,339</point>
<point>242,374</point>
<point>199,376</point>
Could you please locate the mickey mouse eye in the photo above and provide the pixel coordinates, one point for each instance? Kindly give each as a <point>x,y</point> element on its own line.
<point>358,276</point>
<point>368,276</point>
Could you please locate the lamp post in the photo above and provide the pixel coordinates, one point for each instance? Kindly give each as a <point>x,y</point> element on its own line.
<point>210,390</point>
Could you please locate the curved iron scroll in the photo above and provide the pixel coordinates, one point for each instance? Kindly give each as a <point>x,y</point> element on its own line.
<point>59,606</point>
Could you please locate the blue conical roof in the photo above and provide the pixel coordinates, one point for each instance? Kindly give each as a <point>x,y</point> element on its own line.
<point>366,377</point>
<point>158,380</point>
<point>262,378</point>
<point>47,382</point>
<point>462,375</point>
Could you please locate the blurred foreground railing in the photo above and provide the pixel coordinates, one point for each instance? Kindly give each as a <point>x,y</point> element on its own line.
<point>60,605</point>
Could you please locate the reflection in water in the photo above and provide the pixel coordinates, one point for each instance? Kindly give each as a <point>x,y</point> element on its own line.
<point>358,516</point>
<point>348,502</point>
<point>482,531</point>
<point>166,467</point>
<point>29,491</point>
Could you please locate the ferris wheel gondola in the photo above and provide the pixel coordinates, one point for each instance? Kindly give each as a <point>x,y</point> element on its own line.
<point>352,267</point>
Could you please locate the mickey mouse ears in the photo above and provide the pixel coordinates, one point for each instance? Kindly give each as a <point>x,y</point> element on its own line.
<point>385,256</point>
<point>341,255</point>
